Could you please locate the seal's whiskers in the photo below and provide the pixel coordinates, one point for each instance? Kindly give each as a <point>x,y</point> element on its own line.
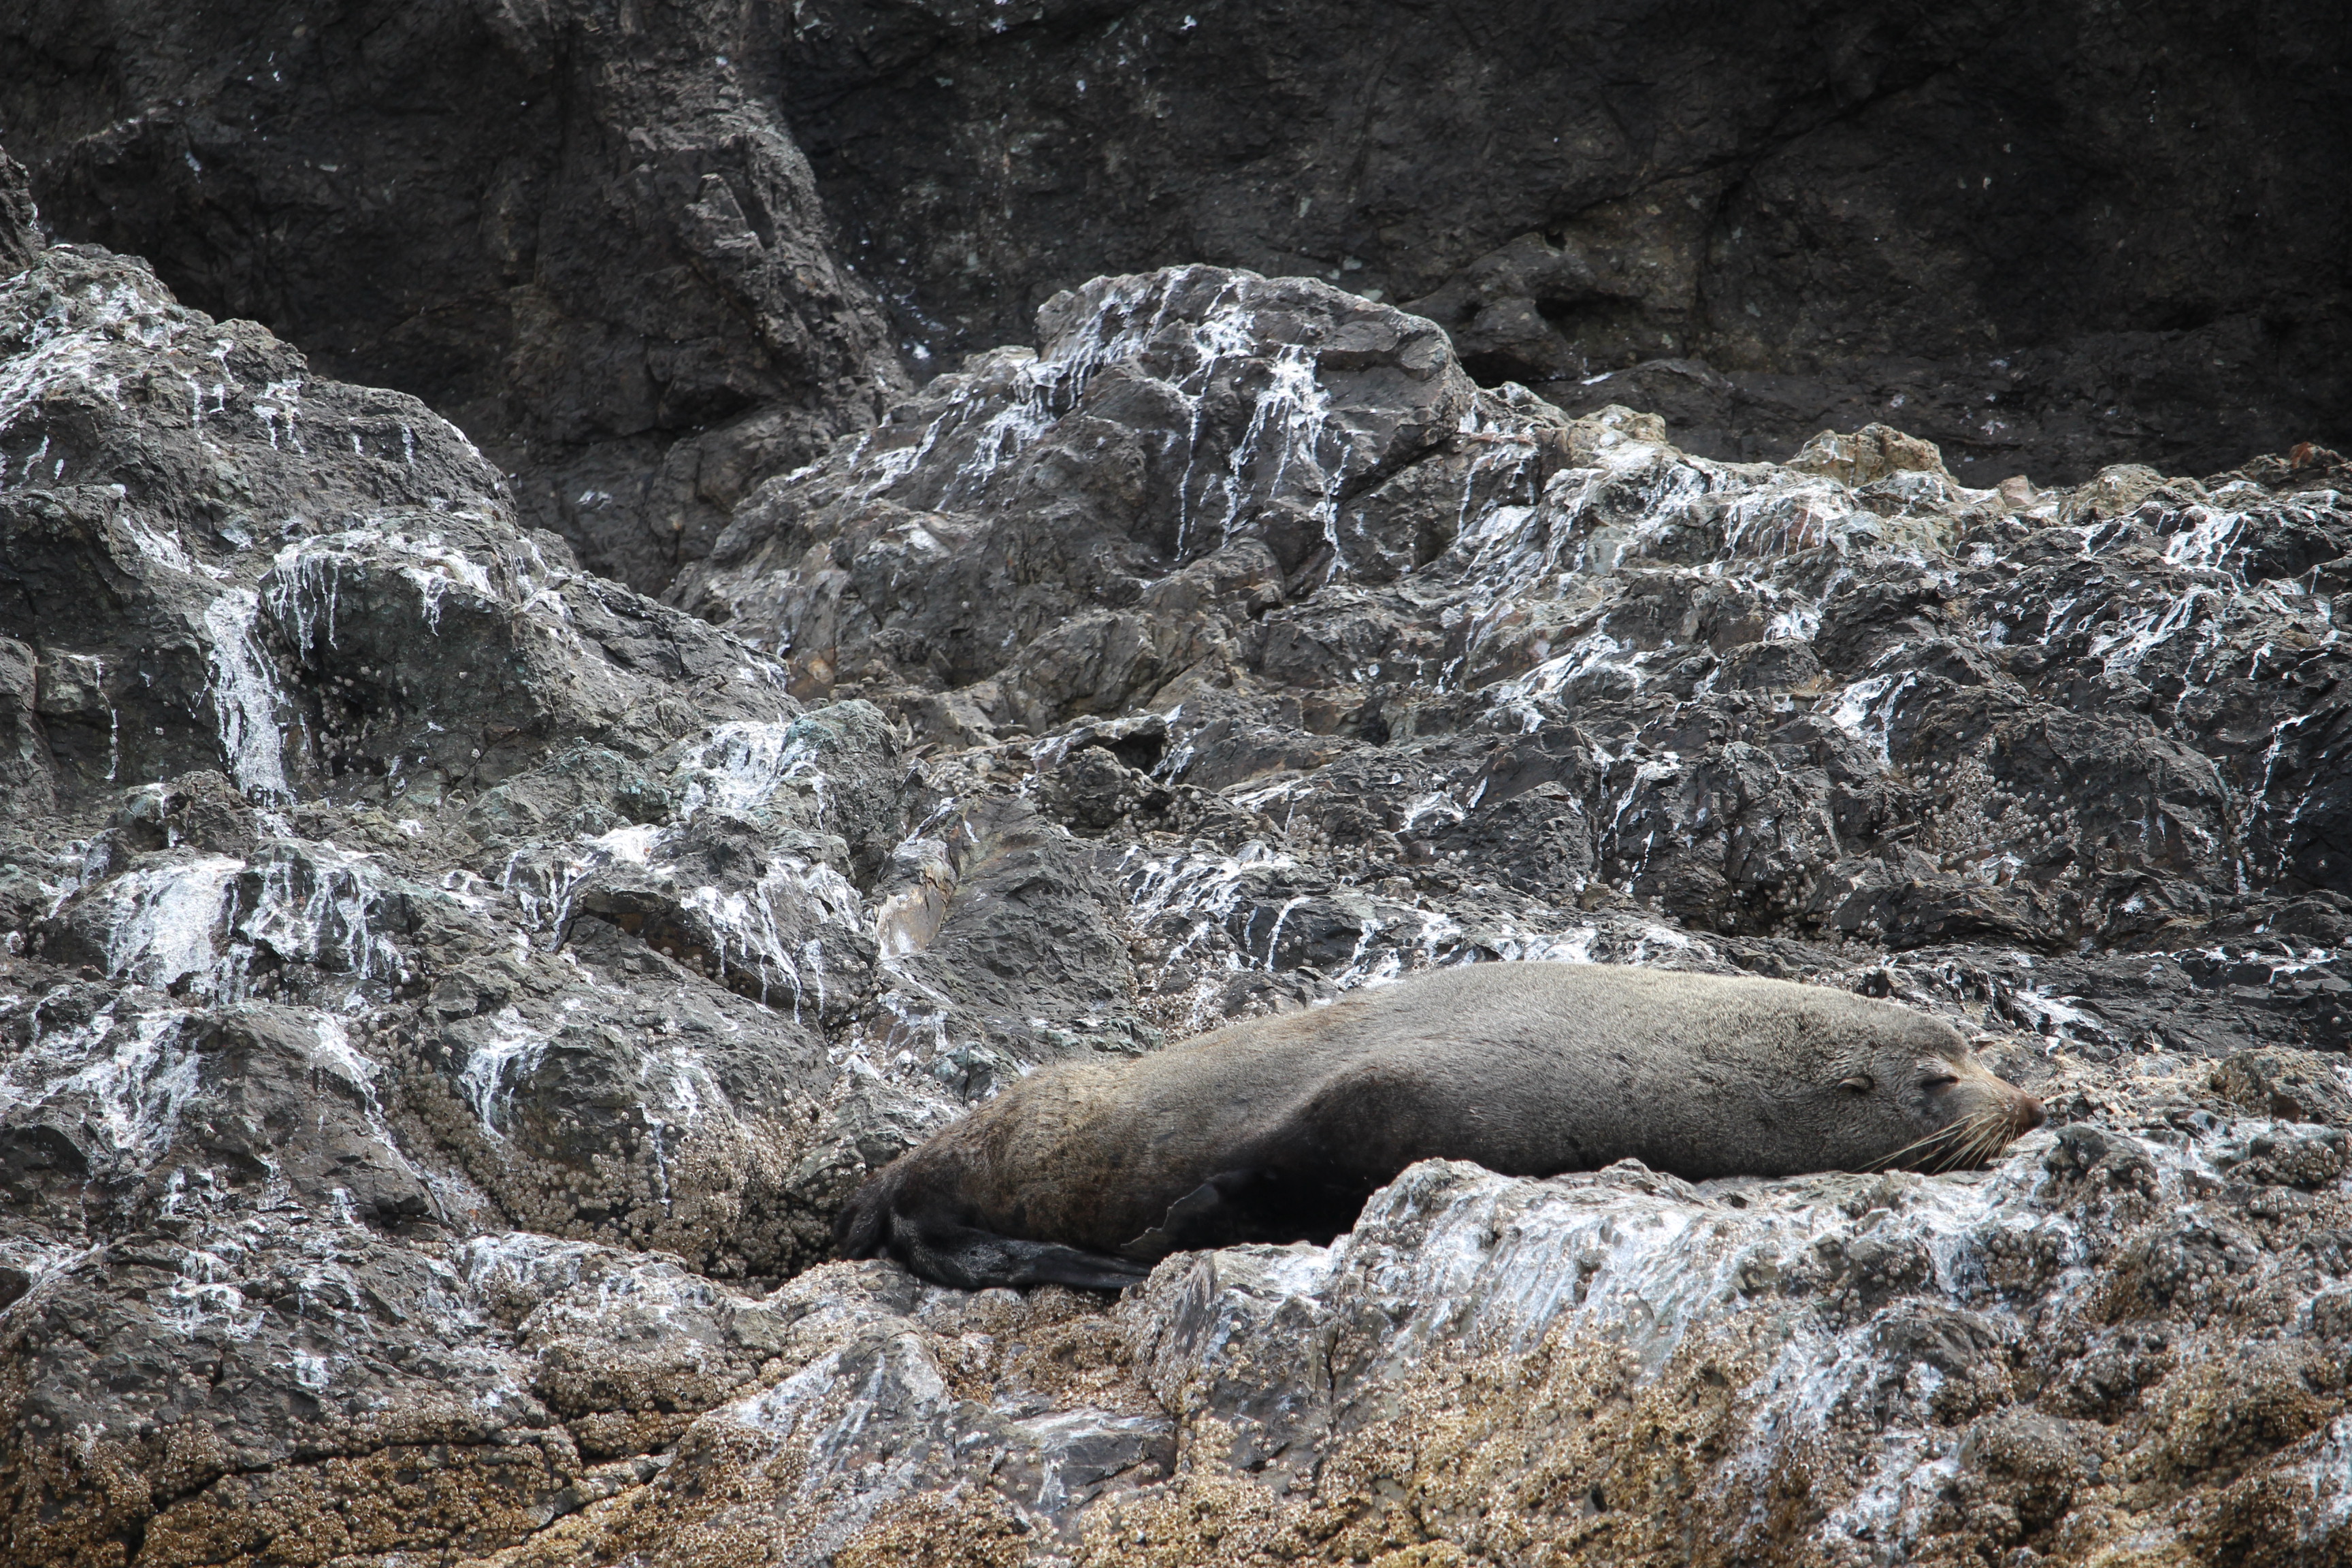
<point>1965,1145</point>
<point>1921,1147</point>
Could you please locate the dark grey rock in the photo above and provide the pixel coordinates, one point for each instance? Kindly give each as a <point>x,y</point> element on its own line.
<point>20,224</point>
<point>651,259</point>
<point>1755,229</point>
<point>585,234</point>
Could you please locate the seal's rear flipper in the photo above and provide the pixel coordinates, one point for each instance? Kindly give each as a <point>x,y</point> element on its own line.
<point>973,1259</point>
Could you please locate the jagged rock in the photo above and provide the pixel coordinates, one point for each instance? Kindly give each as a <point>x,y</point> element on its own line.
<point>20,232</point>
<point>1174,405</point>
<point>1829,699</point>
<point>1778,229</point>
<point>588,233</point>
<point>577,230</point>
<point>316,758</point>
<point>860,1448</point>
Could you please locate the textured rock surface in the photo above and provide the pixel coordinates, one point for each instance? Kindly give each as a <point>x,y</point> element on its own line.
<point>2049,236</point>
<point>581,230</point>
<point>1420,630</point>
<point>444,995</point>
<point>2000,225</point>
<point>378,883</point>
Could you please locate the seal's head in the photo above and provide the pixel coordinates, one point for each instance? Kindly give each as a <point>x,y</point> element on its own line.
<point>1925,1079</point>
<point>1798,1077</point>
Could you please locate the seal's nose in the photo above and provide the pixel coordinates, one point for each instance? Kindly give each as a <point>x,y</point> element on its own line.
<point>2030,1114</point>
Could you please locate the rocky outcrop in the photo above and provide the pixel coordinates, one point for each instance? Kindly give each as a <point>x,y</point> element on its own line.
<point>20,236</point>
<point>331,790</point>
<point>2091,1352</point>
<point>1442,638</point>
<point>1997,225</point>
<point>445,994</point>
<point>582,231</point>
<point>586,231</point>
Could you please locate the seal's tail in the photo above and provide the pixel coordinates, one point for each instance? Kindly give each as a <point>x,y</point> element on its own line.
<point>862,1228</point>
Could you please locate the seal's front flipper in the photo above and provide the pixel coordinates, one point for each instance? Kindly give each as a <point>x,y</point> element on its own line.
<point>1208,1216</point>
<point>973,1259</point>
<point>1253,1203</point>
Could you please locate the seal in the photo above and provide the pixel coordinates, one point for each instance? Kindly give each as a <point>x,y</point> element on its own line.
<point>1278,1129</point>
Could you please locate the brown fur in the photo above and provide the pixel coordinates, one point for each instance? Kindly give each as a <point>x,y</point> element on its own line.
<point>1278,1129</point>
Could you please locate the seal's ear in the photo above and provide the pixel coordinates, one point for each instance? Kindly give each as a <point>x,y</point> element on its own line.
<point>1860,1083</point>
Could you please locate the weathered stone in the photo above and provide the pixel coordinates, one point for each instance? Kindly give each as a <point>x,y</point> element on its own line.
<point>20,231</point>
<point>581,233</point>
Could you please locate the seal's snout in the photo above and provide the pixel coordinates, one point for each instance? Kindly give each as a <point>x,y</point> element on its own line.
<point>1987,1115</point>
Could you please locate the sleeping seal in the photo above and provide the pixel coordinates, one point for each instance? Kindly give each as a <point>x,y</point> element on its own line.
<point>1278,1129</point>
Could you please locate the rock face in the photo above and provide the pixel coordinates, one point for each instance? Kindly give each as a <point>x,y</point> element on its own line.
<point>1271,541</point>
<point>581,230</point>
<point>332,791</point>
<point>1959,219</point>
<point>586,231</point>
<point>446,995</point>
